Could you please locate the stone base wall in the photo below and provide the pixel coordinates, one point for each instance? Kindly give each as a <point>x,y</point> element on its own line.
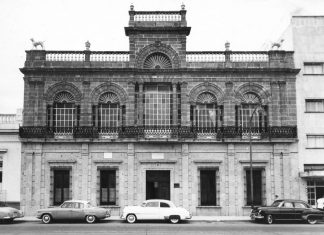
<point>183,160</point>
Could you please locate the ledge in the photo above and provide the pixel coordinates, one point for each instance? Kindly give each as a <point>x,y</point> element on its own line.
<point>254,161</point>
<point>158,161</point>
<point>207,161</point>
<point>61,161</point>
<point>207,207</point>
<point>108,161</point>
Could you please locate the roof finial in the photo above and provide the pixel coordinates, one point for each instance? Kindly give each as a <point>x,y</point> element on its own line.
<point>132,7</point>
<point>183,7</point>
<point>227,46</point>
<point>87,45</point>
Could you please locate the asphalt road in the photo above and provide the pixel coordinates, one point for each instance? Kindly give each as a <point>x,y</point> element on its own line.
<point>187,228</point>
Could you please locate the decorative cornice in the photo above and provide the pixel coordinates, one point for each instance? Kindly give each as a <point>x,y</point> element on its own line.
<point>177,30</point>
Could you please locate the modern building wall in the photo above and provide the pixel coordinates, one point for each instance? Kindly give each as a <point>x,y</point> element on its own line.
<point>308,44</point>
<point>10,157</point>
<point>183,152</point>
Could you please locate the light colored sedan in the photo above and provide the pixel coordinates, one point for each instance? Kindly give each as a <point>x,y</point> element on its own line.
<point>155,209</point>
<point>8,214</point>
<point>73,210</point>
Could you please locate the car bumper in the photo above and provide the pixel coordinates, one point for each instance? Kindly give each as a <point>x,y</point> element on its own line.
<point>256,217</point>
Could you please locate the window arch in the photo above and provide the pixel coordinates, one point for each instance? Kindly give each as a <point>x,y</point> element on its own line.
<point>252,105</point>
<point>205,113</point>
<point>64,114</point>
<point>108,110</point>
<point>157,61</point>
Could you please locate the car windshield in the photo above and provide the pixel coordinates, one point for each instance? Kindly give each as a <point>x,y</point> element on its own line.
<point>276,203</point>
<point>143,204</point>
<point>88,205</point>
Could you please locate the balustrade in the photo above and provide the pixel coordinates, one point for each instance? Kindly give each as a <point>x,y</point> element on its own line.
<point>230,56</point>
<point>160,132</point>
<point>157,16</point>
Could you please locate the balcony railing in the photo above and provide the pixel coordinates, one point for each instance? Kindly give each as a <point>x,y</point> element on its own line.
<point>160,132</point>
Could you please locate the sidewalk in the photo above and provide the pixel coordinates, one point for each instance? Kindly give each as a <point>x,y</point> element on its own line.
<point>194,218</point>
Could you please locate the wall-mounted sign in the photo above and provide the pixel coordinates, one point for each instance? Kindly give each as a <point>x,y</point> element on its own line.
<point>107,155</point>
<point>157,155</point>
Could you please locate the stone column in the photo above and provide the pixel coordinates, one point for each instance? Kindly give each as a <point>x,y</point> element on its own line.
<point>140,104</point>
<point>185,106</point>
<point>130,173</point>
<point>175,105</point>
<point>85,119</point>
<point>185,175</point>
<point>274,106</point>
<point>83,172</point>
<point>283,103</point>
<point>229,106</point>
<point>130,104</point>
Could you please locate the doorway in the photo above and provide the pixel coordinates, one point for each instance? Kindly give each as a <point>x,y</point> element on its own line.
<point>61,186</point>
<point>158,185</point>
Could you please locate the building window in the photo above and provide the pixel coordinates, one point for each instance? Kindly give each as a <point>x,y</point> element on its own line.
<point>64,114</point>
<point>61,186</point>
<point>315,190</point>
<point>107,187</point>
<point>315,105</point>
<point>315,141</point>
<point>157,105</point>
<point>259,190</point>
<point>209,187</point>
<point>313,68</point>
<point>108,110</point>
<point>251,105</point>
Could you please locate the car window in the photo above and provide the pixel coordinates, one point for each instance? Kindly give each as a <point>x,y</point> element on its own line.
<point>78,205</point>
<point>288,205</point>
<point>300,205</point>
<point>67,205</point>
<point>152,204</point>
<point>276,203</point>
<point>163,204</point>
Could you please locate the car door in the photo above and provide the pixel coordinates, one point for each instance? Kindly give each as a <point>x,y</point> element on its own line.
<point>77,211</point>
<point>287,211</point>
<point>64,211</point>
<point>165,210</point>
<point>151,210</point>
<point>299,209</point>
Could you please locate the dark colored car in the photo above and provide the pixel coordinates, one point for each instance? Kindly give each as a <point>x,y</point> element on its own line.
<point>287,209</point>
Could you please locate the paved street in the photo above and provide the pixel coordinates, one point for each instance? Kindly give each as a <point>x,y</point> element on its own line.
<point>117,227</point>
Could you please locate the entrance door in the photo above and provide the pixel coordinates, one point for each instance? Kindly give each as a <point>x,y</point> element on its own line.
<point>61,186</point>
<point>158,185</point>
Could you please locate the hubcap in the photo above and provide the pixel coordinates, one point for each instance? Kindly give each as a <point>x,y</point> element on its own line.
<point>131,218</point>
<point>90,218</point>
<point>46,218</point>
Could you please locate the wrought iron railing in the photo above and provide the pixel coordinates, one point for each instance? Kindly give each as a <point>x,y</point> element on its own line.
<point>160,132</point>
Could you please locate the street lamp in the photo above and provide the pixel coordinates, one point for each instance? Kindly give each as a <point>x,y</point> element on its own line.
<point>250,142</point>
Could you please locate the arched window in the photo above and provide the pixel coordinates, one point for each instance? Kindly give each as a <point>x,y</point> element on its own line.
<point>108,110</point>
<point>65,114</point>
<point>157,61</point>
<point>251,103</point>
<point>205,113</point>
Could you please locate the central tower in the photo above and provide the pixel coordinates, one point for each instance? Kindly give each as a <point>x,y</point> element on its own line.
<point>157,39</point>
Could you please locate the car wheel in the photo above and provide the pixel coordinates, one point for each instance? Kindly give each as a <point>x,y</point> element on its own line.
<point>174,219</point>
<point>131,218</point>
<point>90,219</point>
<point>311,221</point>
<point>46,218</point>
<point>269,219</point>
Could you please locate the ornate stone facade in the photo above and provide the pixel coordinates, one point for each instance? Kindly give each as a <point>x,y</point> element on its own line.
<point>174,131</point>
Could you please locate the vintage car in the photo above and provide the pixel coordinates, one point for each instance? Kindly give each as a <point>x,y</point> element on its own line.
<point>287,209</point>
<point>73,210</point>
<point>8,214</point>
<point>155,209</point>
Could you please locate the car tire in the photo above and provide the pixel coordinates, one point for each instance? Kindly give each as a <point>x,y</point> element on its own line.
<point>46,218</point>
<point>269,219</point>
<point>174,219</point>
<point>131,218</point>
<point>90,219</point>
<point>310,220</point>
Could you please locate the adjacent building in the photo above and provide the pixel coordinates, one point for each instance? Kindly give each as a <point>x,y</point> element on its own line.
<point>10,155</point>
<point>306,37</point>
<point>158,121</point>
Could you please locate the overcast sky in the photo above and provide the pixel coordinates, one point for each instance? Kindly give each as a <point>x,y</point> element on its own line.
<point>67,24</point>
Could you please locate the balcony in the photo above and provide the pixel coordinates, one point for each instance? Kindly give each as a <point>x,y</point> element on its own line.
<point>222,133</point>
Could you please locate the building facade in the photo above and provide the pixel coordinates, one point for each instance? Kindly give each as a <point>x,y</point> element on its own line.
<point>158,121</point>
<point>308,43</point>
<point>10,155</point>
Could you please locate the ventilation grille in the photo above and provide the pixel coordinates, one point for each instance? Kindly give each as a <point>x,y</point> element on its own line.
<point>64,97</point>
<point>108,97</point>
<point>157,61</point>
<point>206,98</point>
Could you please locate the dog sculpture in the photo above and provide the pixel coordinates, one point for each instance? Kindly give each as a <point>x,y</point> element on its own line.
<point>277,45</point>
<point>37,43</point>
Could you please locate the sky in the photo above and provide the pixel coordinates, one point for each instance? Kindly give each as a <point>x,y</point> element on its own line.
<point>68,24</point>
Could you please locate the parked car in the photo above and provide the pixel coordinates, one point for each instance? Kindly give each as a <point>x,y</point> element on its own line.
<point>73,210</point>
<point>8,214</point>
<point>287,209</point>
<point>155,209</point>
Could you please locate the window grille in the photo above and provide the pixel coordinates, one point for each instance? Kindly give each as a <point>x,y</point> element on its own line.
<point>259,187</point>
<point>157,105</point>
<point>209,187</point>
